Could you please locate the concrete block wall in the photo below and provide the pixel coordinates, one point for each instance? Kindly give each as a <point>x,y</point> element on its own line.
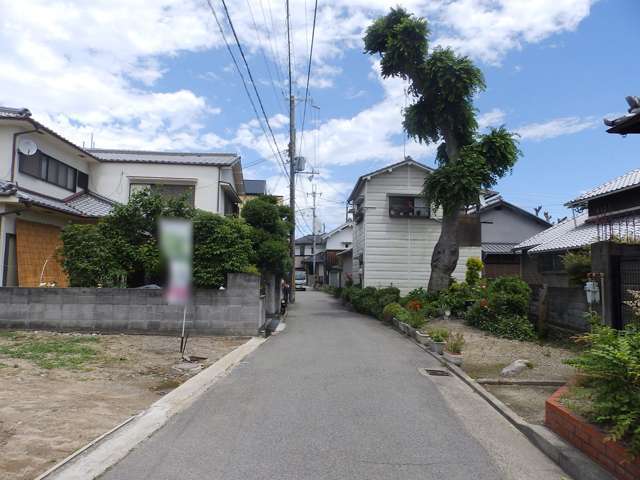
<point>565,307</point>
<point>238,310</point>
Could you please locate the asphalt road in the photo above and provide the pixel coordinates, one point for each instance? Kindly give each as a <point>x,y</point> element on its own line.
<point>335,396</point>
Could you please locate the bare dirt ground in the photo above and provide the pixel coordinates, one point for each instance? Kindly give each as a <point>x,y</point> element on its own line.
<point>486,355</point>
<point>48,410</point>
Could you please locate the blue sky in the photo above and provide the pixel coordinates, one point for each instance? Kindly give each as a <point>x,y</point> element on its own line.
<point>159,77</point>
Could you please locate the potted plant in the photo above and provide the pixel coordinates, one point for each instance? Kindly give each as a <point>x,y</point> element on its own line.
<point>439,338</point>
<point>423,338</point>
<point>453,348</point>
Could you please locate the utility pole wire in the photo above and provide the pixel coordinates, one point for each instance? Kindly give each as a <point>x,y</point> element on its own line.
<point>306,93</point>
<point>255,88</point>
<point>276,152</point>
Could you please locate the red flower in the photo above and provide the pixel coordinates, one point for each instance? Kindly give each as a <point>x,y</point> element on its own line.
<point>414,305</point>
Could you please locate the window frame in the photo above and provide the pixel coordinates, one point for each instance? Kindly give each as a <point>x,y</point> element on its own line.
<point>156,187</point>
<point>45,167</point>
<point>426,208</point>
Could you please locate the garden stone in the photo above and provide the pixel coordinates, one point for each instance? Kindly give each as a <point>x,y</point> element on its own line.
<point>515,367</point>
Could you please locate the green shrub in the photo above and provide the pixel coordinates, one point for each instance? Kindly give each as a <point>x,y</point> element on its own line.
<point>388,295</point>
<point>416,319</point>
<point>438,334</point>
<point>503,309</point>
<point>419,294</point>
<point>611,364</point>
<point>578,265</point>
<point>509,296</point>
<point>100,268</point>
<point>337,292</point>
<point>474,269</point>
<point>366,301</point>
<point>221,245</point>
<point>391,310</point>
<point>403,316</point>
<point>455,298</point>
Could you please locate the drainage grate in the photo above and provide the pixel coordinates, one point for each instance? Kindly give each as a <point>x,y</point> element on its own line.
<point>436,372</point>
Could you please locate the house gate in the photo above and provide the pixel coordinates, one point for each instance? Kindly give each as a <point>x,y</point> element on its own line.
<point>629,280</point>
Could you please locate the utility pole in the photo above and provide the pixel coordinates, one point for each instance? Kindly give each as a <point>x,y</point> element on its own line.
<point>292,191</point>
<point>292,166</point>
<point>314,194</point>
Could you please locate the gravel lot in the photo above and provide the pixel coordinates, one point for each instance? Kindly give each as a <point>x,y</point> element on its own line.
<point>485,356</point>
<point>53,403</point>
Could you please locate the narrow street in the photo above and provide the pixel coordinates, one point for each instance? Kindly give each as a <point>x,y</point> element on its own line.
<point>336,396</point>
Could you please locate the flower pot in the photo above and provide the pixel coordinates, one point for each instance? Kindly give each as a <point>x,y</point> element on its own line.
<point>423,338</point>
<point>437,347</point>
<point>455,358</point>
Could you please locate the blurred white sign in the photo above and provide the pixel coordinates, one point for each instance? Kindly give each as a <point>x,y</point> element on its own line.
<point>176,242</point>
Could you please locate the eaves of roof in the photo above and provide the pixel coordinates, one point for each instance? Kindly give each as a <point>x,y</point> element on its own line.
<point>388,168</point>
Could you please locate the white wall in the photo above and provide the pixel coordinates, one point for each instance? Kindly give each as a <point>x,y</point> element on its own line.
<point>112,180</point>
<point>47,144</point>
<point>337,240</point>
<point>398,250</point>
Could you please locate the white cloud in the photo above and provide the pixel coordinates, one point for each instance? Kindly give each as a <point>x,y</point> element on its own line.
<point>488,29</point>
<point>555,128</point>
<point>94,66</point>
<point>492,118</point>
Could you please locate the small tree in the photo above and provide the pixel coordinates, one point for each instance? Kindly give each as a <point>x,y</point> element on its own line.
<point>221,245</point>
<point>270,222</point>
<point>442,85</point>
<point>474,268</point>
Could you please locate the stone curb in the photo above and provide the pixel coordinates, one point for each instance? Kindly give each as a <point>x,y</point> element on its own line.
<point>566,456</point>
<point>96,457</point>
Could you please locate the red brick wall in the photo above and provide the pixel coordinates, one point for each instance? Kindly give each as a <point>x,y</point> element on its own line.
<point>589,439</point>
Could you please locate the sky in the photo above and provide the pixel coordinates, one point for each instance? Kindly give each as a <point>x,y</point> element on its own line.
<point>158,75</point>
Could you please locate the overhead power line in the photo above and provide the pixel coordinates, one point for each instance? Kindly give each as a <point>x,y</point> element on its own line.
<point>306,92</point>
<point>276,152</point>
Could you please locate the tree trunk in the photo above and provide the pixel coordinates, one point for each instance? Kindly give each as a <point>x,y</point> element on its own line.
<point>446,253</point>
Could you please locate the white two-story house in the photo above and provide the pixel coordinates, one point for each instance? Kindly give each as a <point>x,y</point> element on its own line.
<point>46,182</point>
<point>395,231</point>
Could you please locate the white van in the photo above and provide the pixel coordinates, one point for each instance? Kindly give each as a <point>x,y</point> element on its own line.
<point>301,280</point>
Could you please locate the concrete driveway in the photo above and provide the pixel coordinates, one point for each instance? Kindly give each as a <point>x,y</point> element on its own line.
<point>337,396</point>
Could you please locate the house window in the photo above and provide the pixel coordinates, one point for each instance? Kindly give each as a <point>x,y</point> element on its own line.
<point>166,190</point>
<point>400,206</point>
<point>48,169</point>
<point>550,262</point>
<point>301,249</point>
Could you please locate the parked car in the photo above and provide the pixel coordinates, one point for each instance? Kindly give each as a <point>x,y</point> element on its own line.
<point>301,280</point>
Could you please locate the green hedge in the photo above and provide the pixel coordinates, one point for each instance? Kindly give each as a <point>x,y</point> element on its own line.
<point>610,366</point>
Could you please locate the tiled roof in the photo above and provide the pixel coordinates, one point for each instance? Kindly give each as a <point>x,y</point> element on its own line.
<point>91,205</point>
<point>628,180</point>
<point>308,240</point>
<point>498,248</point>
<point>85,204</point>
<point>588,233</point>
<point>551,233</point>
<point>181,158</point>
<point>9,112</point>
<point>255,187</point>
<point>497,201</point>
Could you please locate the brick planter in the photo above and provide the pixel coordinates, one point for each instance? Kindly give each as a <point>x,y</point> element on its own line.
<point>589,439</point>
